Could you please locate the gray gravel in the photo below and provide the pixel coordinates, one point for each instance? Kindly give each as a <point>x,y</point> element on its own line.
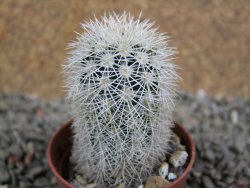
<point>220,127</point>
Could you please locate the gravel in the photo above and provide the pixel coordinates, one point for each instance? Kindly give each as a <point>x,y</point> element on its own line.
<point>219,125</point>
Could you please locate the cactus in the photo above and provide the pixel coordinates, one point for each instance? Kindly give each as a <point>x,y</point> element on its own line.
<point>122,85</point>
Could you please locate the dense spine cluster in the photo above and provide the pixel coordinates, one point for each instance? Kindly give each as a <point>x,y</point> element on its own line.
<point>122,86</point>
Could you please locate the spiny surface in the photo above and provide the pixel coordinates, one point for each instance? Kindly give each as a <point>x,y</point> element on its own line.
<point>122,85</point>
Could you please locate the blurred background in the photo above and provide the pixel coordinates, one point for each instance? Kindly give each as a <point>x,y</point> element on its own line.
<point>213,41</point>
<point>212,37</point>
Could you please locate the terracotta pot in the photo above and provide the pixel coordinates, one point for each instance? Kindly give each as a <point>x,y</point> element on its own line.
<point>60,146</point>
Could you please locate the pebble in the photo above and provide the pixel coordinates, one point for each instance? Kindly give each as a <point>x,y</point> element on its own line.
<point>181,147</point>
<point>201,95</point>
<point>16,150</point>
<point>235,116</point>
<point>36,171</point>
<point>175,138</point>
<point>24,184</point>
<point>209,155</point>
<point>121,186</point>
<point>207,182</point>
<point>229,180</point>
<point>156,182</point>
<point>41,182</point>
<point>3,186</point>
<point>4,154</point>
<point>163,170</point>
<point>4,175</point>
<point>81,180</point>
<point>31,147</point>
<point>93,185</point>
<point>171,176</point>
<point>178,158</point>
<point>239,144</point>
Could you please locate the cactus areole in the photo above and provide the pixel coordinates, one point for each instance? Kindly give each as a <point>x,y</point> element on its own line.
<point>121,84</point>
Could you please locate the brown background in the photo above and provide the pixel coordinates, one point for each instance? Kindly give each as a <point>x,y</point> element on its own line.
<point>212,37</point>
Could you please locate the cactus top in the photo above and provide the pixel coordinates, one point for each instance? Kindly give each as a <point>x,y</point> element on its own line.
<point>121,82</point>
<point>123,59</point>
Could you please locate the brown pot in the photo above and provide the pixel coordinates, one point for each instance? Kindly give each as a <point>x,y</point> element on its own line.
<point>60,146</point>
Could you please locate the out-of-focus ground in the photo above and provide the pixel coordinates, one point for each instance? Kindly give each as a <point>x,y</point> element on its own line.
<point>212,36</point>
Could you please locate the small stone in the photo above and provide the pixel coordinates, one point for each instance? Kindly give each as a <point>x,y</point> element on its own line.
<point>36,171</point>
<point>178,158</point>
<point>4,175</point>
<point>100,186</point>
<point>3,186</point>
<point>19,167</point>
<point>3,106</point>
<point>3,126</point>
<point>140,186</point>
<point>240,167</point>
<point>24,184</point>
<point>235,116</point>
<point>178,171</point>
<point>201,95</point>
<point>163,170</point>
<point>247,172</point>
<point>229,179</point>
<point>81,179</point>
<point>156,182</point>
<point>171,176</point>
<point>215,175</point>
<point>181,147</point>
<point>209,155</point>
<point>53,180</point>
<point>16,150</point>
<point>239,144</point>
<point>121,186</point>
<point>31,147</point>
<point>221,184</point>
<point>28,158</point>
<point>196,174</point>
<point>175,138</point>
<point>41,182</point>
<point>94,185</point>
<point>13,178</point>
<point>4,154</point>
<point>207,182</point>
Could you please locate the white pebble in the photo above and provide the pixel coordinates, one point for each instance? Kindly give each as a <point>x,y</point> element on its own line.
<point>235,116</point>
<point>171,176</point>
<point>81,180</point>
<point>3,186</point>
<point>140,186</point>
<point>178,158</point>
<point>163,170</point>
<point>201,95</point>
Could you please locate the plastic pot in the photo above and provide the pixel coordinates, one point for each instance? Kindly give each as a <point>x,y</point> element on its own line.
<point>60,146</point>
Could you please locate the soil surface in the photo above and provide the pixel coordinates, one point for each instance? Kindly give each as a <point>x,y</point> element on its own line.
<point>212,38</point>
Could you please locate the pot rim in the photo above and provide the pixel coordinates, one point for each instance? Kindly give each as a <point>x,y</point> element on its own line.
<point>50,162</point>
<point>192,157</point>
<point>171,185</point>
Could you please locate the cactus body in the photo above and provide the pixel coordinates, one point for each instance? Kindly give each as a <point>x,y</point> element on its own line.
<point>122,85</point>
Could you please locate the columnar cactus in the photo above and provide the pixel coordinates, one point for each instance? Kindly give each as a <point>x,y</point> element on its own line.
<point>121,83</point>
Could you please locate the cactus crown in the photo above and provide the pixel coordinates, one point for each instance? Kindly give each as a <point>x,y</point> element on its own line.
<point>122,85</point>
